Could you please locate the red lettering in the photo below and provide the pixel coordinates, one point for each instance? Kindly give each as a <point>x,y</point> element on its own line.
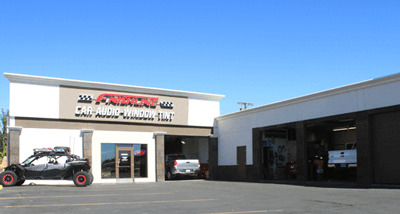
<point>153,102</point>
<point>114,100</point>
<point>127,99</point>
<point>101,97</point>
<point>135,101</point>
<point>140,152</point>
<point>145,102</point>
<point>124,101</point>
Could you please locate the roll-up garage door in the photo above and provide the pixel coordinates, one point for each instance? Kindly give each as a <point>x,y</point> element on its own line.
<point>386,147</point>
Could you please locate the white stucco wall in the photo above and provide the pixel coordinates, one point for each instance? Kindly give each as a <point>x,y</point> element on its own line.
<point>228,143</point>
<point>236,129</point>
<point>31,100</point>
<point>381,96</point>
<point>202,112</point>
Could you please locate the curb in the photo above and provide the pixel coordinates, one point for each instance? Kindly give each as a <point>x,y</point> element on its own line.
<point>325,184</point>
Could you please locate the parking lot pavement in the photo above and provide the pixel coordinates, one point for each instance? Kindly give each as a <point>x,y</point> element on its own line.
<point>196,196</point>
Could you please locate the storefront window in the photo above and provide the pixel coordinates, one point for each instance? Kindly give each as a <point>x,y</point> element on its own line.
<point>140,161</point>
<point>108,159</point>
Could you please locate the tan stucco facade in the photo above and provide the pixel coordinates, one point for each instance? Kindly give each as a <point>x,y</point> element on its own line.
<point>104,126</point>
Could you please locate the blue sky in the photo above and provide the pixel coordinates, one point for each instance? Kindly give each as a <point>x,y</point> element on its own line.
<point>249,51</point>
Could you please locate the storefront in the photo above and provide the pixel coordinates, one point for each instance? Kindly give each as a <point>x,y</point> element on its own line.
<point>123,130</point>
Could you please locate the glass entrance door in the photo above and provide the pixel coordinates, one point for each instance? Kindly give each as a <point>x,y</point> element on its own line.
<point>124,162</point>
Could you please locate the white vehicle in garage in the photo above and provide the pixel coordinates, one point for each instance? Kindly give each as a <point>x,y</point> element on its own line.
<point>179,165</point>
<point>343,158</point>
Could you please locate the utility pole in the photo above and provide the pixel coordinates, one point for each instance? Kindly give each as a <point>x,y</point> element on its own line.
<point>245,105</point>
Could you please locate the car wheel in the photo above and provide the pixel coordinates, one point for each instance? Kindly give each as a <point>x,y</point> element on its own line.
<point>20,182</point>
<point>169,175</point>
<point>81,179</point>
<point>8,178</point>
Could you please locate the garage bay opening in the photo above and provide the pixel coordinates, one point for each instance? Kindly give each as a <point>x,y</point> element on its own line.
<point>193,148</point>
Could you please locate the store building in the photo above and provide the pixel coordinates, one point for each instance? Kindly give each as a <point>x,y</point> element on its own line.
<point>258,143</point>
<point>108,123</point>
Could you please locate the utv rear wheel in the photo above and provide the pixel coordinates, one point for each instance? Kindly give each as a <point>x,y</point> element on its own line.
<point>90,178</point>
<point>81,179</point>
<point>8,178</point>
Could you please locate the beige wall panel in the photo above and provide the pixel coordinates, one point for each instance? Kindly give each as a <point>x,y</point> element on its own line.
<point>170,130</point>
<point>69,103</point>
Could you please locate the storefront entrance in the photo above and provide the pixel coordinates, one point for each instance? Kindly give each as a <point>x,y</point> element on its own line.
<point>124,162</point>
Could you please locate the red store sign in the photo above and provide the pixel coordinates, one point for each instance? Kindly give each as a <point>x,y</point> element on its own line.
<point>127,100</point>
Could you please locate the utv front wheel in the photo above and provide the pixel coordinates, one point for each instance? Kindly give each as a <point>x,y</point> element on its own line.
<point>81,179</point>
<point>8,178</point>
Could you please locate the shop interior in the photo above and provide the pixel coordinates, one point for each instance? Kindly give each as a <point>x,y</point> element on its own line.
<point>279,154</point>
<point>192,147</point>
<point>279,151</point>
<point>324,138</point>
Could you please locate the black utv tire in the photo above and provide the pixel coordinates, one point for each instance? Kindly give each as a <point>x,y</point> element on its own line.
<point>8,178</point>
<point>20,182</point>
<point>81,179</point>
<point>91,178</point>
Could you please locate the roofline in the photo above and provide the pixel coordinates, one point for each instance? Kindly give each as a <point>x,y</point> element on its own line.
<point>23,78</point>
<point>318,95</point>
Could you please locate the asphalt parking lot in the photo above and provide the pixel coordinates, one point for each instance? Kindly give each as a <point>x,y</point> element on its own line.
<point>196,196</point>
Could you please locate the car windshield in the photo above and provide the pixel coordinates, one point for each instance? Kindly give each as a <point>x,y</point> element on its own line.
<point>176,157</point>
<point>29,160</point>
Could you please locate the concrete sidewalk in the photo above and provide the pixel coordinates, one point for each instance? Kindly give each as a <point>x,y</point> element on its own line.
<point>48,182</point>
